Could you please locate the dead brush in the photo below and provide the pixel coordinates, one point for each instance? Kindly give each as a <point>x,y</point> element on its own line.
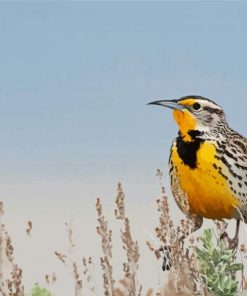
<point>183,272</point>
<point>70,262</point>
<point>184,276</point>
<point>131,266</point>
<point>106,245</point>
<point>89,274</point>
<point>129,285</point>
<point>10,272</point>
<point>50,279</point>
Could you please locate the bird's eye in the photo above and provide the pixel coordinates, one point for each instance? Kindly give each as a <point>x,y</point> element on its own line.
<point>196,106</point>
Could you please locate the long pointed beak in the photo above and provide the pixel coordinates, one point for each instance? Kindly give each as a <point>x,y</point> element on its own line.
<point>172,104</point>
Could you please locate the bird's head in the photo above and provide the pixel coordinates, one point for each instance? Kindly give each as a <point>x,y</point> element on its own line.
<point>195,113</point>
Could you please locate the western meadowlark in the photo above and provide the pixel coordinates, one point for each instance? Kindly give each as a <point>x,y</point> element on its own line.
<point>208,161</point>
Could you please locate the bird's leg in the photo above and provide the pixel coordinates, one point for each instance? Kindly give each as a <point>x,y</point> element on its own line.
<point>167,261</point>
<point>232,243</point>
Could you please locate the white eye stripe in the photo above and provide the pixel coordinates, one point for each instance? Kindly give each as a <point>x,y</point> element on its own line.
<point>211,105</point>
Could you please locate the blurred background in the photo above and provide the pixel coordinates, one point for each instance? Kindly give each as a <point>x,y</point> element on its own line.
<point>74,83</point>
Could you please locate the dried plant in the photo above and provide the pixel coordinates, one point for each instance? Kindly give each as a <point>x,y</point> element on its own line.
<point>178,283</point>
<point>78,281</point>
<point>29,227</point>
<point>11,275</point>
<point>62,257</point>
<point>194,267</point>
<point>89,272</point>
<point>70,262</point>
<point>1,246</point>
<point>179,260</point>
<point>50,279</point>
<point>106,245</point>
<point>14,283</point>
<point>130,268</point>
<point>120,203</point>
<point>71,251</point>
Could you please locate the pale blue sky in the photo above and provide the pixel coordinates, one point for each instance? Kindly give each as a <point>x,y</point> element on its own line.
<point>75,79</point>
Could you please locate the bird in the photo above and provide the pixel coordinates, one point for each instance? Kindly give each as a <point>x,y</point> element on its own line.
<point>207,163</point>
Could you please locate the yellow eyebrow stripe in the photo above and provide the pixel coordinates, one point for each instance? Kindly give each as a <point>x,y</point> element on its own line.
<point>187,102</point>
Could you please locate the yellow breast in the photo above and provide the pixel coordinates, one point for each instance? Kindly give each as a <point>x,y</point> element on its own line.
<point>209,194</point>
